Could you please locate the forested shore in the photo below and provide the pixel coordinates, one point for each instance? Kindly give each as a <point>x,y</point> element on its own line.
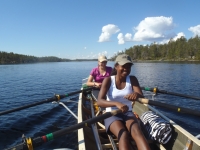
<point>12,58</point>
<point>179,50</point>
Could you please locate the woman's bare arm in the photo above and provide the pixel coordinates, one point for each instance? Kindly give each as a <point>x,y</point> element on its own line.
<point>90,82</point>
<point>136,85</point>
<point>136,88</point>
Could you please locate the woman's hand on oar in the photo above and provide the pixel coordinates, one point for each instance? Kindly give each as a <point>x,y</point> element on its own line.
<point>156,90</point>
<point>168,106</point>
<point>55,98</point>
<point>36,142</point>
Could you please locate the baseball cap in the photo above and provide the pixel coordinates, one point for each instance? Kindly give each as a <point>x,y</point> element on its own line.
<point>102,58</point>
<point>123,59</point>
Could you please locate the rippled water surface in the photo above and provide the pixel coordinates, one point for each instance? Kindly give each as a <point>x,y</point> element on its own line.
<point>25,84</point>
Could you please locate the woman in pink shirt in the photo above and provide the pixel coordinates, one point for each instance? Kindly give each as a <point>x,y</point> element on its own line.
<point>99,73</point>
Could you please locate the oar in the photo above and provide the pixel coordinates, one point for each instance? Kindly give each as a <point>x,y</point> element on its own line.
<point>168,106</point>
<point>156,90</point>
<point>31,143</point>
<point>55,98</point>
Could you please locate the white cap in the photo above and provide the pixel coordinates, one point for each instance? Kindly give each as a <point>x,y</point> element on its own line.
<point>102,58</point>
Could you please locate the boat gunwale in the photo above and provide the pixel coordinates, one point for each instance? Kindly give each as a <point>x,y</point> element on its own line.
<point>81,140</point>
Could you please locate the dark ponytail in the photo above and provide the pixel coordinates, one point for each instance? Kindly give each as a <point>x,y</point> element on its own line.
<point>114,71</point>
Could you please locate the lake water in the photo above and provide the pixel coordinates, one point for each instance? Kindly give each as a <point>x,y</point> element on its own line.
<point>28,83</point>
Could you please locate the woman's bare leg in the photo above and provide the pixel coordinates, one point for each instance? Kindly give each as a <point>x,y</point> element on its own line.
<point>120,131</point>
<point>137,135</point>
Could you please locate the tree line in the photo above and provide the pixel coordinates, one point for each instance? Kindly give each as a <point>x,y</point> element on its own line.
<point>179,50</point>
<point>12,58</point>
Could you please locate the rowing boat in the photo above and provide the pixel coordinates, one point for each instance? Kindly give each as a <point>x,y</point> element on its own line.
<point>91,129</point>
<point>94,137</point>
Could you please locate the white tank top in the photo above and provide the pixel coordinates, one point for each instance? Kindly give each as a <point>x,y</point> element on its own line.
<point>115,94</point>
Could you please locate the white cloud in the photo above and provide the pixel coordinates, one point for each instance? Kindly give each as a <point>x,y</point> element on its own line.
<point>107,32</point>
<point>154,29</point>
<point>178,36</point>
<point>195,30</point>
<point>92,55</point>
<point>85,47</point>
<point>128,37</point>
<point>164,41</point>
<point>122,39</point>
<point>103,53</point>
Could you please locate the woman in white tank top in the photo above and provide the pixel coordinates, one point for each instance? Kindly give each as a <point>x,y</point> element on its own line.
<point>121,89</point>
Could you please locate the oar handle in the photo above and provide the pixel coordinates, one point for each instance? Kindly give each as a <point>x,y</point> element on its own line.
<point>143,100</point>
<point>35,142</point>
<point>149,89</point>
<point>168,106</point>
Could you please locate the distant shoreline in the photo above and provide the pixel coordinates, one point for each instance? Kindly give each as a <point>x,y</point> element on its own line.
<point>134,61</point>
<point>166,61</point>
<point>11,58</point>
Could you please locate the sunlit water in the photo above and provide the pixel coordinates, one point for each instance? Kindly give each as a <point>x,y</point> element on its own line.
<point>24,84</point>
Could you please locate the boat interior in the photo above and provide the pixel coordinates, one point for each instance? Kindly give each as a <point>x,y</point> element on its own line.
<point>94,137</point>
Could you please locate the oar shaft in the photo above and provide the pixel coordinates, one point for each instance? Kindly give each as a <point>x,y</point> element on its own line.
<point>177,94</point>
<point>85,123</point>
<point>40,140</point>
<point>55,98</point>
<point>156,90</point>
<point>27,106</point>
<point>76,92</point>
<point>168,106</point>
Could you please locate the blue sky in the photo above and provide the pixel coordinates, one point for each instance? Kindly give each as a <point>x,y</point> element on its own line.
<point>87,28</point>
